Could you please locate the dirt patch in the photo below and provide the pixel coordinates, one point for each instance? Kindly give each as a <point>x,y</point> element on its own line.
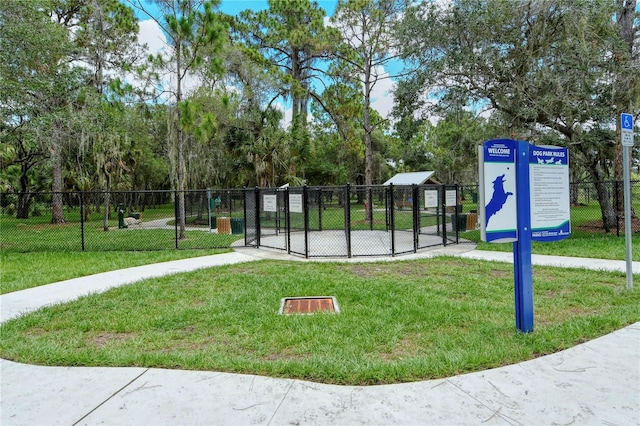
<point>283,355</point>
<point>45,226</point>
<point>596,226</point>
<point>37,332</point>
<point>501,274</point>
<point>406,347</point>
<point>366,271</point>
<point>102,340</point>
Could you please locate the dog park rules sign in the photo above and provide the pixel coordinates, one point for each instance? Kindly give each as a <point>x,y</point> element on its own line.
<point>549,193</point>
<point>497,205</point>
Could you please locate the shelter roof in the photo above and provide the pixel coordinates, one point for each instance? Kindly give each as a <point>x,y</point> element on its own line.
<point>411,178</point>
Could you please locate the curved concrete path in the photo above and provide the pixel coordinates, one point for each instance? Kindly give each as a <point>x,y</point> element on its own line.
<point>597,382</point>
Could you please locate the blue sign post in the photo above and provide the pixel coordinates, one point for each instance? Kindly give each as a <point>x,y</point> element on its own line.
<point>524,195</point>
<point>522,271</point>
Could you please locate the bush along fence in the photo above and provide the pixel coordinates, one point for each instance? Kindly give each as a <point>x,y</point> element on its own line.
<point>309,221</point>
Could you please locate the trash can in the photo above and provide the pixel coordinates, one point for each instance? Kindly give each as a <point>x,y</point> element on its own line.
<point>214,224</point>
<point>237,225</point>
<point>224,225</point>
<point>461,224</point>
<point>472,221</point>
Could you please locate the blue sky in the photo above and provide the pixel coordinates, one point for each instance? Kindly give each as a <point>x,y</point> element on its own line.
<point>233,7</point>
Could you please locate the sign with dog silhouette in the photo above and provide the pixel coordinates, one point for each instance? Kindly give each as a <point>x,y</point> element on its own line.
<point>548,190</point>
<point>498,191</point>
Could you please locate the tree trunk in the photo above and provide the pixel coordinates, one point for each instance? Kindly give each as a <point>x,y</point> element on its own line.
<point>57,213</point>
<point>107,209</point>
<point>181,185</point>
<point>368,145</point>
<point>107,197</point>
<point>180,146</point>
<point>609,217</point>
<point>626,31</point>
<point>24,197</point>
<point>24,202</point>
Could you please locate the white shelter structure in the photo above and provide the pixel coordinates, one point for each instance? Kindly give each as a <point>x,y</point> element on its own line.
<point>410,178</point>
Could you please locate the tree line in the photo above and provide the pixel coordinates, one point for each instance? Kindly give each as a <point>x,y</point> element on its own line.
<point>83,105</point>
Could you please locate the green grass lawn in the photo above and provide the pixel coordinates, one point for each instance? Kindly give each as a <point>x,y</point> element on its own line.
<point>19,271</point>
<point>400,321</point>
<point>579,244</point>
<point>37,234</point>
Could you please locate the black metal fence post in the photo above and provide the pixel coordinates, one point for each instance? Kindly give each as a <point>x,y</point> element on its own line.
<point>458,214</point>
<point>392,218</point>
<point>305,209</point>
<point>347,217</point>
<point>287,220</point>
<point>387,204</point>
<point>369,212</point>
<point>82,219</point>
<point>443,207</point>
<point>176,214</point>
<point>320,207</point>
<point>257,216</point>
<point>415,205</point>
<point>616,201</point>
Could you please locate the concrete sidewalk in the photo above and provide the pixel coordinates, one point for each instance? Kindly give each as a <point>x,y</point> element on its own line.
<point>597,382</point>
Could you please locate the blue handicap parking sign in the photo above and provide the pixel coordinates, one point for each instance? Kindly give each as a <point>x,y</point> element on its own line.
<point>626,120</point>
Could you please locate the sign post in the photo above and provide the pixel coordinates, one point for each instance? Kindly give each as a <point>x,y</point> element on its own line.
<point>524,196</point>
<point>522,271</point>
<point>626,136</point>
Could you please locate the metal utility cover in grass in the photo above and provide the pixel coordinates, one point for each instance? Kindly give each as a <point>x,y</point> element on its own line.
<point>308,305</point>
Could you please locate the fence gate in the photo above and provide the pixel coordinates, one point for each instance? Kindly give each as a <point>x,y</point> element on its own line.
<point>252,232</point>
<point>431,216</point>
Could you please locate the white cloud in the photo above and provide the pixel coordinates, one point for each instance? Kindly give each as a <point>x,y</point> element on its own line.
<point>382,98</point>
<point>287,114</point>
<point>151,34</point>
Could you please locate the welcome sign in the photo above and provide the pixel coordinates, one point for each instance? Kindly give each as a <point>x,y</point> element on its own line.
<point>497,205</point>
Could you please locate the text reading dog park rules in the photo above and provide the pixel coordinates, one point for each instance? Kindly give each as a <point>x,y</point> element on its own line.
<point>549,193</point>
<point>498,192</point>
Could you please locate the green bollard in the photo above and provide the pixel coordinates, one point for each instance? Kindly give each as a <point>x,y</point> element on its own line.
<point>121,224</point>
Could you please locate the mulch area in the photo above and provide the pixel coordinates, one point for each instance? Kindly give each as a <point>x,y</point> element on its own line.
<point>595,226</point>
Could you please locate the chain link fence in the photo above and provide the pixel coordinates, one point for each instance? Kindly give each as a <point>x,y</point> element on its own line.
<point>119,221</point>
<point>590,202</point>
<point>353,221</point>
<point>348,221</point>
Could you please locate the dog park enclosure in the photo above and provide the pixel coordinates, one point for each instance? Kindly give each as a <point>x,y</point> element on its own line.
<point>352,221</point>
<point>155,224</point>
